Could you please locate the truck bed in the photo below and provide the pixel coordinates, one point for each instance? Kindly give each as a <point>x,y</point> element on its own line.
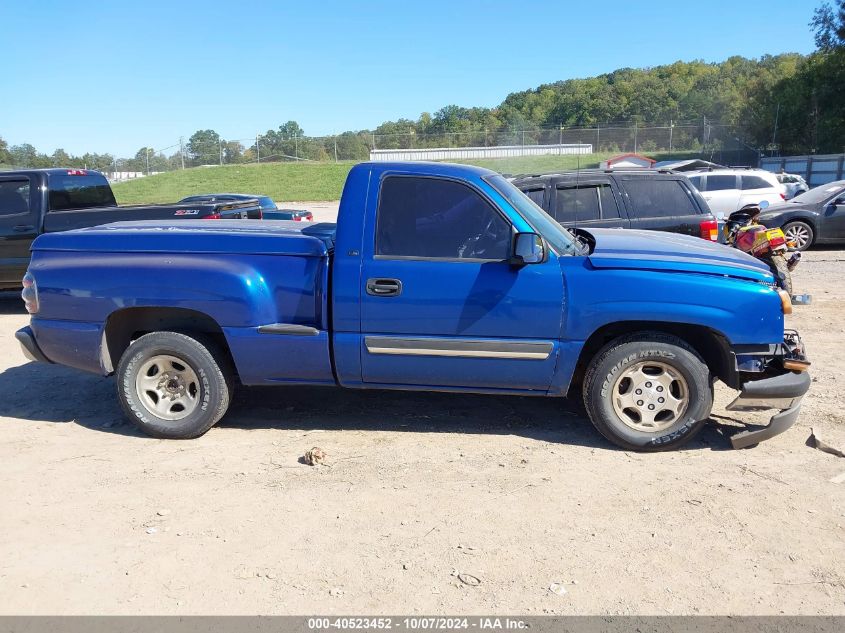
<point>263,282</point>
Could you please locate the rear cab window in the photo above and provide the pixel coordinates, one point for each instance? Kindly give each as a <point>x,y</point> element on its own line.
<point>79,189</point>
<point>658,198</point>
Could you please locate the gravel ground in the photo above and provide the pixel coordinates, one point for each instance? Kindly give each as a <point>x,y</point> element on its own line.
<point>422,492</point>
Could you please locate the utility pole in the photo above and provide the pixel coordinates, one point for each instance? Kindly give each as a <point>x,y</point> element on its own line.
<point>636,131</point>
<point>374,140</point>
<point>671,128</point>
<point>335,149</point>
<point>704,131</point>
<point>182,150</point>
<point>220,143</point>
<point>257,150</point>
<point>295,146</point>
<point>560,139</point>
<point>147,153</point>
<point>775,133</point>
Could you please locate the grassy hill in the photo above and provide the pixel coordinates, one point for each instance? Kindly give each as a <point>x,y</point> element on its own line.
<point>287,182</point>
<point>281,181</point>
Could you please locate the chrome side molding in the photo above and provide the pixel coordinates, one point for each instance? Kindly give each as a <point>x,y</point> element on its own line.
<point>455,347</point>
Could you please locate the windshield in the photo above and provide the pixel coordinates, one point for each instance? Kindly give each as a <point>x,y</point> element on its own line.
<point>558,238</point>
<point>819,194</point>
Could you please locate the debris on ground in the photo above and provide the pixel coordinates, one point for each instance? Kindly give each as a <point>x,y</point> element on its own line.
<point>839,479</point>
<point>469,579</point>
<point>315,457</point>
<point>557,588</point>
<point>815,442</point>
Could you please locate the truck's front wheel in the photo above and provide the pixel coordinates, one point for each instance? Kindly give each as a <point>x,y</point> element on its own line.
<point>172,385</point>
<point>648,392</point>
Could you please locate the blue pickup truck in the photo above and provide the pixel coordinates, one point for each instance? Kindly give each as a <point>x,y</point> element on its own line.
<point>436,277</point>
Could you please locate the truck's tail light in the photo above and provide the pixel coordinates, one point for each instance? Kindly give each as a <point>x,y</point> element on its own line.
<point>783,196</point>
<point>213,216</point>
<point>297,218</point>
<point>309,217</point>
<point>29,294</point>
<point>260,214</point>
<point>710,230</point>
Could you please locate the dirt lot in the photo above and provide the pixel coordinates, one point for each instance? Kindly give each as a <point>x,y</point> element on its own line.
<point>421,491</point>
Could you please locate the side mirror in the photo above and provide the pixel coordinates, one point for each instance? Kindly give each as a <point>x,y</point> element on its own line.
<point>528,248</point>
<point>839,200</point>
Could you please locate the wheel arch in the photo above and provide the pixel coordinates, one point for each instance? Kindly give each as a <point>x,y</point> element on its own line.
<point>807,218</point>
<point>125,325</point>
<point>712,345</point>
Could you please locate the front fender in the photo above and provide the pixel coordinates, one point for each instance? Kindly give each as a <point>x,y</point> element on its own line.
<point>745,312</point>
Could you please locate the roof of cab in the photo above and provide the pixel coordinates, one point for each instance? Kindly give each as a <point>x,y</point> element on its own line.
<point>427,168</point>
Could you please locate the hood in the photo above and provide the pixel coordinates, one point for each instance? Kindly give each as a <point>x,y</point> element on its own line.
<point>776,210</point>
<point>656,250</point>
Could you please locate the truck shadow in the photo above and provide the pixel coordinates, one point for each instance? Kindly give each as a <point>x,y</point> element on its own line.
<point>10,302</point>
<point>37,393</point>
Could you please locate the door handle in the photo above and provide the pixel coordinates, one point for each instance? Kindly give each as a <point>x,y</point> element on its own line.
<point>23,228</point>
<point>384,287</point>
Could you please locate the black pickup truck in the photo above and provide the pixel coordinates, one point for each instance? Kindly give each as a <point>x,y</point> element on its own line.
<point>36,201</point>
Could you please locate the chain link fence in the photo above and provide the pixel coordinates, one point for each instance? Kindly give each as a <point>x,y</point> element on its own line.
<point>702,139</point>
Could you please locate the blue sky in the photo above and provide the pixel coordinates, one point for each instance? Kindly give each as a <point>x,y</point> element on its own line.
<point>115,76</point>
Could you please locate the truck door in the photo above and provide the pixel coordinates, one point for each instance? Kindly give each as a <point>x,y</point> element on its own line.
<point>18,227</point>
<point>440,304</point>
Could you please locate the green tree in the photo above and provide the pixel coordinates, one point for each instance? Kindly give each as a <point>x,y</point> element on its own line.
<point>204,148</point>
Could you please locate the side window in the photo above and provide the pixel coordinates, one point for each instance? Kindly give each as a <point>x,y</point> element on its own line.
<point>609,208</point>
<point>577,204</point>
<point>439,219</point>
<point>720,183</point>
<point>14,197</point>
<point>696,181</point>
<point>659,198</point>
<point>754,182</point>
<point>536,196</point>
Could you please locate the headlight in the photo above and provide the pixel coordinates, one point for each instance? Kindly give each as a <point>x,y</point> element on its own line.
<point>785,301</point>
<point>29,294</point>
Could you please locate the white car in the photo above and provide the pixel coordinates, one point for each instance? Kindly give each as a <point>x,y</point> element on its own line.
<point>795,185</point>
<point>727,190</point>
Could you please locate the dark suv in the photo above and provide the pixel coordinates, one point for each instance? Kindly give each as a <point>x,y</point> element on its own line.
<point>633,199</point>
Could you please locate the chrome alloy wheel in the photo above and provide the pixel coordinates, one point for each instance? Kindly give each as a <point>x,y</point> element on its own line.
<point>798,234</point>
<point>650,396</point>
<point>168,387</point>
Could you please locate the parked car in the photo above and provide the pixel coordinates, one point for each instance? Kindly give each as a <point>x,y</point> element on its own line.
<point>814,217</point>
<point>728,190</point>
<point>630,199</point>
<point>36,201</point>
<point>297,215</point>
<point>265,203</point>
<point>436,277</point>
<point>794,184</point>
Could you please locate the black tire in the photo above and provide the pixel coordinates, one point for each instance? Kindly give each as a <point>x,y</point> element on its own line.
<point>781,272</point>
<point>212,387</point>
<point>795,229</point>
<point>626,353</point>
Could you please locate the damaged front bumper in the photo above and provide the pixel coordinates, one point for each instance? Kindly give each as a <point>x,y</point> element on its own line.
<point>783,391</point>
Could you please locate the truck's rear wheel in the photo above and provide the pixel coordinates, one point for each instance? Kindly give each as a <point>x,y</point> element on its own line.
<point>172,385</point>
<point>648,392</point>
